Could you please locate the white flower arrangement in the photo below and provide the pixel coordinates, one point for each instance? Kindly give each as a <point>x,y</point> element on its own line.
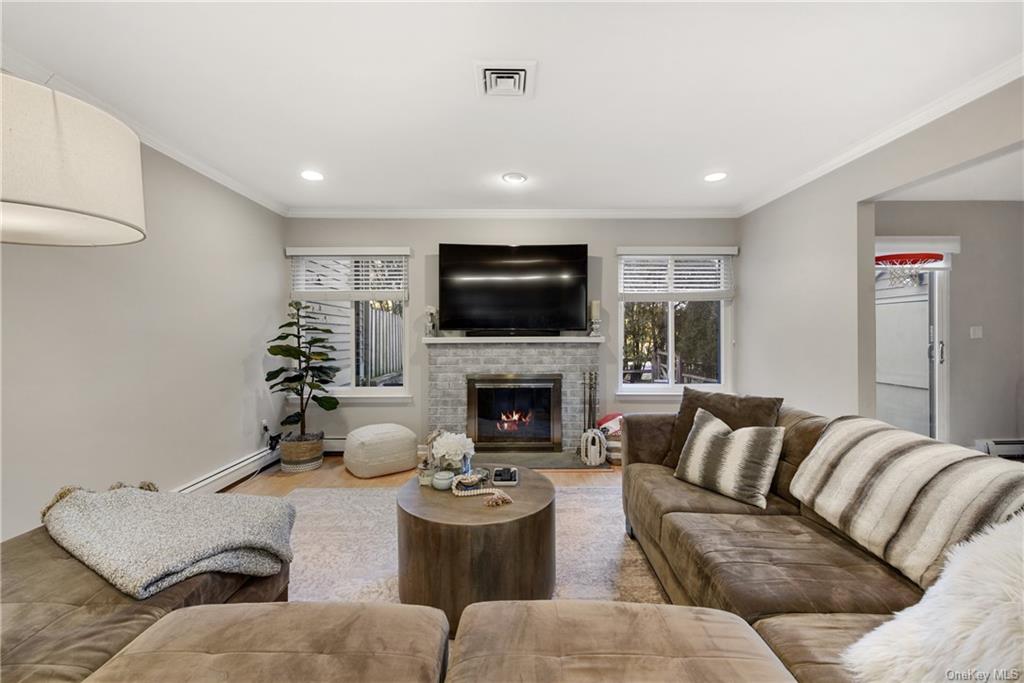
<point>449,448</point>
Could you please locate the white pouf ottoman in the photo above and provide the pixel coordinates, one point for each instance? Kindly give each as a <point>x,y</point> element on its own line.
<point>376,450</point>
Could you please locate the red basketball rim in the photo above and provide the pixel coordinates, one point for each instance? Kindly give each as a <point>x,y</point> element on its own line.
<point>918,258</point>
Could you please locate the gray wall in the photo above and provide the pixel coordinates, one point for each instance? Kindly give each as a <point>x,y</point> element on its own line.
<point>986,287</point>
<point>141,361</point>
<point>423,236</point>
<point>805,318</point>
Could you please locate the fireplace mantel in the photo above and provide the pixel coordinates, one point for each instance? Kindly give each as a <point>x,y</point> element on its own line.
<point>512,340</point>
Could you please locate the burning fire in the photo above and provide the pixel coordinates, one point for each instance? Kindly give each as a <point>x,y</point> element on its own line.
<point>511,420</point>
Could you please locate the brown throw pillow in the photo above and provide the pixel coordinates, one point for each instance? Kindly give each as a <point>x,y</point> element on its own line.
<point>735,410</point>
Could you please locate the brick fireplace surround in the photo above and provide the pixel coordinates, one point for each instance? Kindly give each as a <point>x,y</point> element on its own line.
<point>452,358</point>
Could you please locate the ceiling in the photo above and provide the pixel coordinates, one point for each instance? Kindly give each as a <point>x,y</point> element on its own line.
<point>632,104</point>
<point>998,178</point>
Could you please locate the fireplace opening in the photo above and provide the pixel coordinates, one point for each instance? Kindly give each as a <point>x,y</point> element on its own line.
<point>514,411</point>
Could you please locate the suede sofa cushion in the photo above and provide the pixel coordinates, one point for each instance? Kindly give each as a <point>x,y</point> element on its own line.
<point>652,491</point>
<point>299,641</point>
<point>811,645</point>
<point>62,621</point>
<point>735,410</point>
<point>597,641</point>
<point>736,463</point>
<point>759,565</point>
<point>803,429</point>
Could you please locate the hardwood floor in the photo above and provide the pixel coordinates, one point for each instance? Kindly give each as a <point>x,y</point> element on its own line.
<point>273,482</point>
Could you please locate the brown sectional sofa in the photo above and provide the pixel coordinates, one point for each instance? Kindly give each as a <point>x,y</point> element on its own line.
<point>62,621</point>
<point>806,588</point>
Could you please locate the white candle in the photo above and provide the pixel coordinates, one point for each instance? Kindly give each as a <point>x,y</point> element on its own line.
<point>595,310</point>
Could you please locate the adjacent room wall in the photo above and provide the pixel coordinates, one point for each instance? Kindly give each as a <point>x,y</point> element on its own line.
<point>423,236</point>
<point>986,288</point>
<point>805,318</point>
<point>140,362</point>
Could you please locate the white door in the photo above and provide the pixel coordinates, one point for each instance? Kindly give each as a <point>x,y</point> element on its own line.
<point>909,353</point>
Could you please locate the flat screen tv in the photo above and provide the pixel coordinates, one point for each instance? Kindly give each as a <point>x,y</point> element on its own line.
<point>541,288</point>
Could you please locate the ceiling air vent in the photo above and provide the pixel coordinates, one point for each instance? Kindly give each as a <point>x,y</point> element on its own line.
<point>505,79</point>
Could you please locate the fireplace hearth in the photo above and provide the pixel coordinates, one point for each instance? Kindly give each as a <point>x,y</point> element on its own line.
<point>514,412</point>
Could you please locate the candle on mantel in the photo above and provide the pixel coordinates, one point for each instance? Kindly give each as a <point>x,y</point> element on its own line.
<point>595,310</point>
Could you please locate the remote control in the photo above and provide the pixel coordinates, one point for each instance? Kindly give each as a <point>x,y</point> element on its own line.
<point>505,476</point>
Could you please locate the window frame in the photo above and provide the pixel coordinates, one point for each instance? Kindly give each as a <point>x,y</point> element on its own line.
<point>383,394</point>
<point>727,341</point>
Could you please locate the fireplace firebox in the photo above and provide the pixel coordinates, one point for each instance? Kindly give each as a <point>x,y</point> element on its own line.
<point>514,412</point>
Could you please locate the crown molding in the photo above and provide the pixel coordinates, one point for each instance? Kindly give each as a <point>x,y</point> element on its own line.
<point>993,79</point>
<point>513,213</point>
<point>20,65</point>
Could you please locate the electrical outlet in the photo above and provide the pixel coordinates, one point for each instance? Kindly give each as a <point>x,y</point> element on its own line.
<point>976,332</point>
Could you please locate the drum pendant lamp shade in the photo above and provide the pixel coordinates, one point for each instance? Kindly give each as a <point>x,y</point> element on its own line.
<point>72,173</point>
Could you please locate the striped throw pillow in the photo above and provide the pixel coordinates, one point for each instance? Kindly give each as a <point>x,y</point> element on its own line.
<point>739,464</point>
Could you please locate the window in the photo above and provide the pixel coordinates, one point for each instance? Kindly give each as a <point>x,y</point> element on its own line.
<point>360,295</point>
<point>674,314</point>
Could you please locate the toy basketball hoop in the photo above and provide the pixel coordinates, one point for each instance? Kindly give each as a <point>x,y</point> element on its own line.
<point>904,269</point>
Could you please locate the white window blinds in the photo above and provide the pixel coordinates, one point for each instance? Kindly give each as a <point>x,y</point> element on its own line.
<point>675,277</point>
<point>363,276</point>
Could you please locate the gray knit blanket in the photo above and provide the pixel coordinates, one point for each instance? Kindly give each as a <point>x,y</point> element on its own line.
<point>144,541</point>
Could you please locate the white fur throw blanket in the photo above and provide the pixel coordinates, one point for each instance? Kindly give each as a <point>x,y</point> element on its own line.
<point>144,541</point>
<point>969,626</point>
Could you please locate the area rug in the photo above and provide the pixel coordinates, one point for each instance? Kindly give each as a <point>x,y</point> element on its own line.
<point>346,548</point>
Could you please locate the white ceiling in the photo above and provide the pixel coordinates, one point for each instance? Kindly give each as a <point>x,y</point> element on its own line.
<point>1000,178</point>
<point>633,103</point>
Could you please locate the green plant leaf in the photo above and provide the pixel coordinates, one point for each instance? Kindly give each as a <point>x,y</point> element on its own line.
<point>274,374</point>
<point>291,379</point>
<point>316,386</point>
<point>327,347</point>
<point>325,330</point>
<point>290,323</point>
<point>326,402</point>
<point>319,356</point>
<point>286,350</point>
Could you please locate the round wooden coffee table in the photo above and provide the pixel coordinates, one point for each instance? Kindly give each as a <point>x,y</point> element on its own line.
<point>453,551</point>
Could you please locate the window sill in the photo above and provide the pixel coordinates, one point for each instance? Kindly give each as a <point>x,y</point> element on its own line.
<point>655,394</point>
<point>369,396</point>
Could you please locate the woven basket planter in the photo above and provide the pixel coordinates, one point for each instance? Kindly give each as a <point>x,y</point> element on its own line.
<point>301,456</point>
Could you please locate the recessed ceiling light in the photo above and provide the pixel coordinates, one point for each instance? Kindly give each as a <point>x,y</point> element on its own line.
<point>715,177</point>
<point>514,178</point>
<point>310,174</point>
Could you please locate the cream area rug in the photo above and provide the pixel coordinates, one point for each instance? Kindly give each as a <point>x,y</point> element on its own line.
<point>346,547</point>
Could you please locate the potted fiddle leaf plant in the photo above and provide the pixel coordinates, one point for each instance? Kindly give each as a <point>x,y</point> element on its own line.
<point>302,342</point>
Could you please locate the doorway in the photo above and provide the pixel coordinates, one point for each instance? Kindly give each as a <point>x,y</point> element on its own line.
<point>912,367</point>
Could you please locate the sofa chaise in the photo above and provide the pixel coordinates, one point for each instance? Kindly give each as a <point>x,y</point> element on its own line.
<point>809,589</point>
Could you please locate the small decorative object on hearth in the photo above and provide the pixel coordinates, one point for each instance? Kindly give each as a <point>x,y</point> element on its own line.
<point>430,326</point>
<point>303,340</point>
<point>453,452</point>
<point>593,447</point>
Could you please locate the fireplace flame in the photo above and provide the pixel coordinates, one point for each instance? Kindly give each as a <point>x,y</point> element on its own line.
<point>511,420</point>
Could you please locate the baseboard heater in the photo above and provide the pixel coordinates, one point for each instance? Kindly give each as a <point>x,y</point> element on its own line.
<point>231,473</point>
